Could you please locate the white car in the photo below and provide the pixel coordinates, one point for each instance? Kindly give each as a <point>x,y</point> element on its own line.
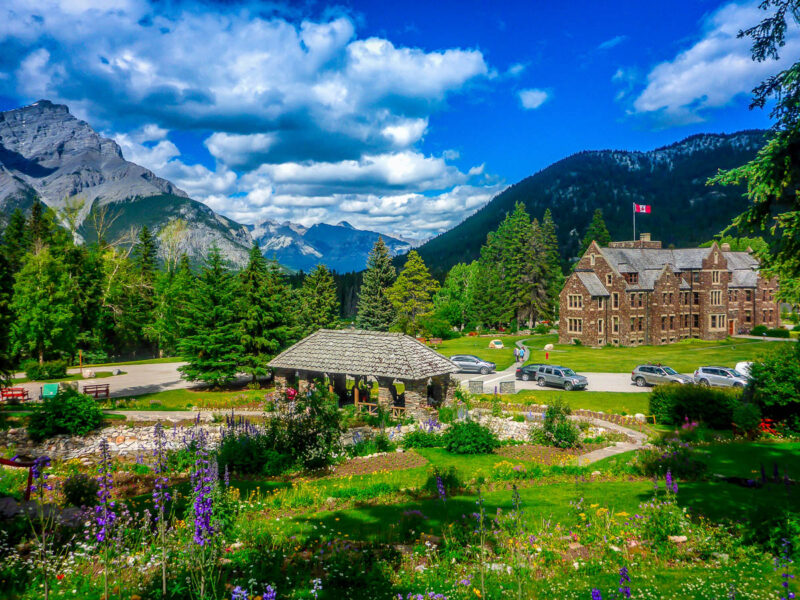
<point>744,368</point>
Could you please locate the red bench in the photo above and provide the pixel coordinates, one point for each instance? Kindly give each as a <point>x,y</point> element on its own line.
<point>14,393</point>
<point>96,390</point>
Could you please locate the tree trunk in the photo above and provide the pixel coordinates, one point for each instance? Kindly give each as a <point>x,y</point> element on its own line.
<point>41,355</point>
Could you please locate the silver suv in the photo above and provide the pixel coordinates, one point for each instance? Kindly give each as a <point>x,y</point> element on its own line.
<point>656,374</point>
<point>719,377</point>
<point>560,377</point>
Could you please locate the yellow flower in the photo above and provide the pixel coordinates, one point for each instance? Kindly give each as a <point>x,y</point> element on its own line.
<point>622,514</point>
<point>477,592</point>
<point>593,505</point>
<point>582,515</point>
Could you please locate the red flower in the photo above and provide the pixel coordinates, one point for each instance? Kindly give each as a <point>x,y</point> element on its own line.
<point>60,576</point>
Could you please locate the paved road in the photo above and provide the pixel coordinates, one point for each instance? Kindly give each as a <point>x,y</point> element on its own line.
<point>598,382</point>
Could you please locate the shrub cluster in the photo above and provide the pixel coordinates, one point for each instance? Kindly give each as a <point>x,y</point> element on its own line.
<point>775,385</point>
<point>469,437</point>
<point>54,369</point>
<point>419,438</point>
<point>68,412</point>
<point>557,430</point>
<point>80,490</point>
<point>673,404</point>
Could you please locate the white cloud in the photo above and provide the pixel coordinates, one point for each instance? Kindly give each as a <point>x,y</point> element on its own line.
<point>610,43</point>
<point>533,98</point>
<point>516,69</point>
<point>713,71</point>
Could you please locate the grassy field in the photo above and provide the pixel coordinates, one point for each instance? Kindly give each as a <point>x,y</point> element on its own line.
<point>149,361</point>
<point>479,346</point>
<point>621,403</point>
<point>185,399</point>
<point>684,356</point>
<point>744,459</point>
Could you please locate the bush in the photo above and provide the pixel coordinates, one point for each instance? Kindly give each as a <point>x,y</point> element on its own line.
<point>250,452</point>
<point>423,439</point>
<point>437,327</point>
<point>673,404</point>
<point>778,333</point>
<point>80,490</point>
<point>775,385</point>
<point>758,330</point>
<point>469,437</point>
<point>673,455</point>
<point>542,329</point>
<point>557,430</point>
<point>68,412</point>
<point>747,418</point>
<point>449,478</point>
<point>54,369</point>
<point>380,443</point>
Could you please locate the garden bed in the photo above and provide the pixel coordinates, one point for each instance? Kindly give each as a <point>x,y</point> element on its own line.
<point>391,461</point>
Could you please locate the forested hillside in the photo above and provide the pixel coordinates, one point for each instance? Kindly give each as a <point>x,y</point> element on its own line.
<point>686,211</point>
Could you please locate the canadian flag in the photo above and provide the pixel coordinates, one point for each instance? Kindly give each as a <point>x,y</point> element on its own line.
<point>641,208</point>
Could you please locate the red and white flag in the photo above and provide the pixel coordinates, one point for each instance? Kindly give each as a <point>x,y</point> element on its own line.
<point>641,208</point>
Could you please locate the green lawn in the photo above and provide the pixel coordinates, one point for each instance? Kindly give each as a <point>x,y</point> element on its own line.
<point>479,346</point>
<point>684,356</point>
<point>621,403</point>
<point>185,399</point>
<point>744,459</point>
<point>149,361</point>
<point>73,377</point>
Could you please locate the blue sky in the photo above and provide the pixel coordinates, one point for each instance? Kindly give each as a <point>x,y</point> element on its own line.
<point>400,117</point>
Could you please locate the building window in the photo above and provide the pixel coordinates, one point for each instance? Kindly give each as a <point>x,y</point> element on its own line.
<point>716,297</point>
<point>599,325</point>
<point>641,323</point>
<point>591,259</point>
<point>672,322</point>
<point>632,278</point>
<point>615,324</point>
<point>575,325</point>
<point>671,299</point>
<point>641,299</point>
<point>714,276</point>
<point>601,302</point>
<point>663,323</point>
<point>748,295</point>
<point>696,321</point>
<point>664,298</point>
<point>615,300</point>
<point>633,323</point>
<point>575,301</point>
<point>696,276</point>
<point>748,316</point>
<point>695,298</point>
<point>608,279</point>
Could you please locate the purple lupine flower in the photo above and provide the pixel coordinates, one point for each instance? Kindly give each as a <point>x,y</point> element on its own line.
<point>227,477</point>
<point>440,488</point>
<point>39,476</point>
<point>160,494</point>
<point>668,480</point>
<point>317,587</point>
<point>202,485</point>
<point>784,561</point>
<point>624,580</point>
<point>239,593</point>
<point>270,593</point>
<point>104,511</point>
<point>596,595</point>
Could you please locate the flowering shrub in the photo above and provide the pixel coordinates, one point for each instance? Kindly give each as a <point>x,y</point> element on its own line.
<point>557,430</point>
<point>419,438</point>
<point>468,437</point>
<point>673,403</point>
<point>670,455</point>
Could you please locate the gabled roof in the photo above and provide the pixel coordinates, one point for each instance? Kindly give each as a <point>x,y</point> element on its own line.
<point>358,352</point>
<point>592,283</point>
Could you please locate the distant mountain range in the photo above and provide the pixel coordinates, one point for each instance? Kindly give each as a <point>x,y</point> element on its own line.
<point>685,211</point>
<point>340,247</point>
<point>46,152</point>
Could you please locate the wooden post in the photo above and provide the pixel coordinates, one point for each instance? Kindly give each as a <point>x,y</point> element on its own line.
<point>355,393</point>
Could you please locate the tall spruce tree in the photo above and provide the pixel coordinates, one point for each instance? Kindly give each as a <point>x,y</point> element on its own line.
<point>412,293</point>
<point>263,310</point>
<point>145,255</point>
<point>453,301</point>
<point>45,323</point>
<point>212,345</point>
<point>375,311</point>
<point>173,290</point>
<point>554,275</point>
<point>597,231</point>
<point>318,302</point>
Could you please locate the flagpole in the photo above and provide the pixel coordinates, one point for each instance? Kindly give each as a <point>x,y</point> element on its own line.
<point>634,222</point>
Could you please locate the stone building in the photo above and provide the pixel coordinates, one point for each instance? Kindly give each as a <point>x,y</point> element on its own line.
<point>369,367</point>
<point>636,292</point>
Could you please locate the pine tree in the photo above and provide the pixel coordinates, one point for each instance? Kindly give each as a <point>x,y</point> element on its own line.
<point>597,231</point>
<point>173,291</point>
<point>16,240</point>
<point>554,275</point>
<point>145,255</point>
<point>318,302</point>
<point>43,229</point>
<point>412,293</point>
<point>45,322</point>
<point>375,312</point>
<point>212,344</point>
<point>264,314</point>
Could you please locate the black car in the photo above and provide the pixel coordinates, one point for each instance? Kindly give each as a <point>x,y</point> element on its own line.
<point>528,372</point>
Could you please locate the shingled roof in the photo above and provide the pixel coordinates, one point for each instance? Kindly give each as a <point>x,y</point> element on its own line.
<point>358,352</point>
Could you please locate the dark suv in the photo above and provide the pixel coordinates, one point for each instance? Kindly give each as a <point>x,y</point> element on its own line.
<point>528,372</point>
<point>560,377</point>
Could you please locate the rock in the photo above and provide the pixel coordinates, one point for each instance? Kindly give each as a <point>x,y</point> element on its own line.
<point>548,347</point>
<point>678,539</point>
<point>116,371</point>
<point>330,500</point>
<point>596,473</point>
<point>88,373</point>
<point>639,417</point>
<point>720,556</point>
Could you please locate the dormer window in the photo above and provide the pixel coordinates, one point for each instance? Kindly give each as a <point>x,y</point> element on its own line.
<point>632,278</point>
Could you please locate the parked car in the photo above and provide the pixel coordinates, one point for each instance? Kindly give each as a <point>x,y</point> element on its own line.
<point>719,377</point>
<point>744,368</point>
<point>560,377</point>
<point>656,374</point>
<point>528,372</point>
<point>467,363</point>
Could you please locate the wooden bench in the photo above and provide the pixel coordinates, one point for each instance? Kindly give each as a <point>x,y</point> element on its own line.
<point>14,393</point>
<point>96,390</point>
<point>435,342</point>
<point>6,462</point>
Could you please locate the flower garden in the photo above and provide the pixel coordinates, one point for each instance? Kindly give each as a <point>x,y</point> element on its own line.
<point>302,504</point>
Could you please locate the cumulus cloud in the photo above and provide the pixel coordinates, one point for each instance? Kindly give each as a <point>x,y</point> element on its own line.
<point>533,98</point>
<point>713,71</point>
<point>306,119</point>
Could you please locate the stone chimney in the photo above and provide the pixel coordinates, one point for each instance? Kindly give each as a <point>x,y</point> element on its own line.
<point>726,247</point>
